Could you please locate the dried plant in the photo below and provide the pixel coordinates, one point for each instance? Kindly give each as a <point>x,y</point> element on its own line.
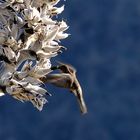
<point>29,38</point>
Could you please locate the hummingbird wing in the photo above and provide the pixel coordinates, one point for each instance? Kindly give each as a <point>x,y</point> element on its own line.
<point>60,80</point>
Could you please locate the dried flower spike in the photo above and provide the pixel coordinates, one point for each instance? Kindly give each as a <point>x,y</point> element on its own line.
<point>29,38</point>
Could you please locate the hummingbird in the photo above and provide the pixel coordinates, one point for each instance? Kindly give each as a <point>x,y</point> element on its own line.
<point>67,79</point>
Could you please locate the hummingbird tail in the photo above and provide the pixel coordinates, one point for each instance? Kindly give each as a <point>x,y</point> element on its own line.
<point>82,104</point>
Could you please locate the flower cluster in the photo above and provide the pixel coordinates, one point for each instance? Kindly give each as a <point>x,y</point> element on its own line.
<point>29,38</point>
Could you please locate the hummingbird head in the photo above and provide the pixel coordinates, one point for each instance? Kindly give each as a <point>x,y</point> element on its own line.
<point>66,68</point>
<point>63,68</point>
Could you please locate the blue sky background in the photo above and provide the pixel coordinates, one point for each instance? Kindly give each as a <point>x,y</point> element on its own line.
<point>104,46</point>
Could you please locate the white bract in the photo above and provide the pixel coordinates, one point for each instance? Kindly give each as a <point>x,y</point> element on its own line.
<point>29,38</point>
